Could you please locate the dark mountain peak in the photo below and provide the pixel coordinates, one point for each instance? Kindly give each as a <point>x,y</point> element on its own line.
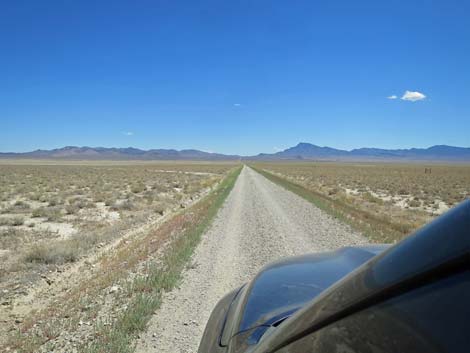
<point>446,148</point>
<point>310,151</point>
<point>305,145</point>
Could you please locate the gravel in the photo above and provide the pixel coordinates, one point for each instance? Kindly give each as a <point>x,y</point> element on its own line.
<point>260,222</point>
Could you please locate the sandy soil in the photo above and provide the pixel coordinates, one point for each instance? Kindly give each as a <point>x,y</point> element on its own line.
<point>259,223</point>
<point>15,309</point>
<point>402,201</point>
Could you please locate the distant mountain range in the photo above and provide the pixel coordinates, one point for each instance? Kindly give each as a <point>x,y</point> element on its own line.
<point>308,151</point>
<point>303,151</point>
<point>129,153</point>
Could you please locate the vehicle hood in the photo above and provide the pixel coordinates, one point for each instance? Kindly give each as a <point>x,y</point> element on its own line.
<point>440,247</point>
<point>283,287</point>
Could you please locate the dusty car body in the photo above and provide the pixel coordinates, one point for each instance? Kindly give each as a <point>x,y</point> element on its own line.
<point>410,297</point>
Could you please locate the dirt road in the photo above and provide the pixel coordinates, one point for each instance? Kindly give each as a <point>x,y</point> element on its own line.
<point>259,222</point>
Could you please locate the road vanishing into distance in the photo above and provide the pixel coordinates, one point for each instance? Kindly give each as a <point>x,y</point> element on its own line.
<point>259,222</point>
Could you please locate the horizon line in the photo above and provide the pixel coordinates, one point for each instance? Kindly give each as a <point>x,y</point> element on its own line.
<point>227,154</point>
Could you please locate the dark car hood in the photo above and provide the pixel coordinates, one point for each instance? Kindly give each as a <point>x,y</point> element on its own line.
<point>283,287</point>
<point>434,250</point>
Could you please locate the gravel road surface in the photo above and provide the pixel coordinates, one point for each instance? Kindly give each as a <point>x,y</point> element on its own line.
<point>259,222</point>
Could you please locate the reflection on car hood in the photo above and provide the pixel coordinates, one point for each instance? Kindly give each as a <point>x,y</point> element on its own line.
<point>283,287</point>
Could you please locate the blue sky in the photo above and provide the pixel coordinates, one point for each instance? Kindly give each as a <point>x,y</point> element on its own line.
<point>233,76</point>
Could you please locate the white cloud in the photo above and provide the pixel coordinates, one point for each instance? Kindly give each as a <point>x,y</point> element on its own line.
<point>392,97</point>
<point>413,96</point>
<point>237,105</point>
<point>277,149</point>
<point>128,133</point>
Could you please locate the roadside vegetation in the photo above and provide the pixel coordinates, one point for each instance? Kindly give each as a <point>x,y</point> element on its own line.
<point>147,288</point>
<point>55,217</point>
<point>385,202</point>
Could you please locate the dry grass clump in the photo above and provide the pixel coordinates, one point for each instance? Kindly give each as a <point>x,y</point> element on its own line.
<point>71,209</point>
<point>367,196</point>
<point>160,208</point>
<point>21,205</point>
<point>9,238</point>
<point>51,214</point>
<point>81,203</point>
<point>137,188</point>
<point>39,212</point>
<point>125,205</point>
<point>12,221</point>
<point>55,253</point>
<point>62,251</point>
<point>17,221</point>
